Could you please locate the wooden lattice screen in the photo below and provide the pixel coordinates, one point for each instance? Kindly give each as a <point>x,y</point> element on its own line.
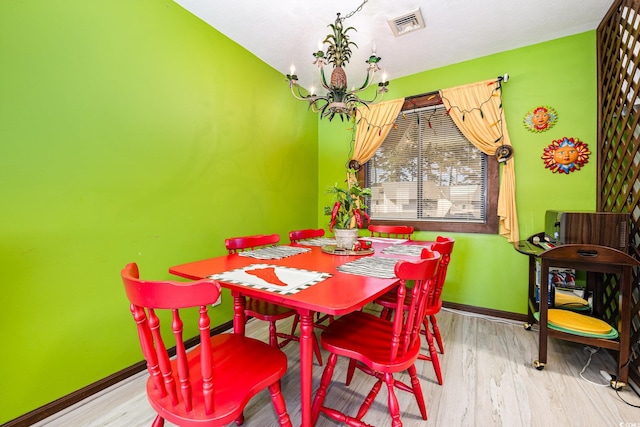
<point>618,44</point>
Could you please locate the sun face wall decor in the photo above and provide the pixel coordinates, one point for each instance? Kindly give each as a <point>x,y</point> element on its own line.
<point>566,155</point>
<point>540,119</point>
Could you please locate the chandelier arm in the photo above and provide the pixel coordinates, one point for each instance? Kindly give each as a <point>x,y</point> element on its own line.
<point>317,104</point>
<point>379,95</point>
<point>377,98</point>
<point>323,81</point>
<point>366,84</point>
<point>299,96</point>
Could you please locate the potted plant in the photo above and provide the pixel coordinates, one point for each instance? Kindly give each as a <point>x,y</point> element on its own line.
<point>348,211</point>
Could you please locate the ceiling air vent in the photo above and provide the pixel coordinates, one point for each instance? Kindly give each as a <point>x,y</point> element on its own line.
<point>402,25</point>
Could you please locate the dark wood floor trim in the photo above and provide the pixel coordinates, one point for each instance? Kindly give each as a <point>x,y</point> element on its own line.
<point>486,311</point>
<point>64,402</point>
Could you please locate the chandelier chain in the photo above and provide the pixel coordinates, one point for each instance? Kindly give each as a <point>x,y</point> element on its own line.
<point>358,9</point>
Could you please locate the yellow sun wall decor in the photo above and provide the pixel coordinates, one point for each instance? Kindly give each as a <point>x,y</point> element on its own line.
<point>540,119</point>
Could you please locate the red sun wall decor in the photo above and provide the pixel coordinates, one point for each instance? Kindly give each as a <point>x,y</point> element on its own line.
<point>565,155</point>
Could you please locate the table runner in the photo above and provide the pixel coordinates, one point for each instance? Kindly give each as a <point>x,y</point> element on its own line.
<point>371,266</point>
<point>411,250</point>
<point>274,278</point>
<point>274,252</point>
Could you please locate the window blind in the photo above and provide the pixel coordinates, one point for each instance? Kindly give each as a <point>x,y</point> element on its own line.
<point>427,170</point>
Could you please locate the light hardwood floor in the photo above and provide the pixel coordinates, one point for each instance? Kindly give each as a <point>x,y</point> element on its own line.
<point>489,380</point>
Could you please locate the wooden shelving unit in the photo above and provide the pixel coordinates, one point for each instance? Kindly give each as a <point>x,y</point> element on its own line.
<point>595,260</point>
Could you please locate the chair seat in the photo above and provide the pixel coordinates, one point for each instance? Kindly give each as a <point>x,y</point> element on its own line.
<point>238,375</point>
<point>364,337</point>
<point>267,311</point>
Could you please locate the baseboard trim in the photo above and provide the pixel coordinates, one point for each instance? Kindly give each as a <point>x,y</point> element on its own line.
<point>486,311</point>
<point>64,402</point>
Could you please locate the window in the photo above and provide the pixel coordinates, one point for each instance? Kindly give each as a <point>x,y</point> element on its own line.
<point>427,174</point>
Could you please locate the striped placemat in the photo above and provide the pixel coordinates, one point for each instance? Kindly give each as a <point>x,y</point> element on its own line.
<point>320,241</point>
<point>371,266</point>
<point>411,250</point>
<point>274,252</point>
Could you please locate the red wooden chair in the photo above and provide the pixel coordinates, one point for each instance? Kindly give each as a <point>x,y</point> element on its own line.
<point>392,231</point>
<point>381,347</point>
<point>212,383</point>
<point>433,305</point>
<point>296,236</point>
<point>263,310</point>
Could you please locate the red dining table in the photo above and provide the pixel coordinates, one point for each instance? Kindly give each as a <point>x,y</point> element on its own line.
<point>339,294</point>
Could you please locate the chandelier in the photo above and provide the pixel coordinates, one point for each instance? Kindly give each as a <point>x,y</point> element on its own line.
<point>338,100</point>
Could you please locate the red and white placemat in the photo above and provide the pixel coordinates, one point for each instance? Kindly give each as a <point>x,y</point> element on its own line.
<point>274,278</point>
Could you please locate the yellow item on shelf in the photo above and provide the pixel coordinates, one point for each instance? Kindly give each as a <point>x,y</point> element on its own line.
<point>563,300</point>
<point>613,334</point>
<point>578,322</point>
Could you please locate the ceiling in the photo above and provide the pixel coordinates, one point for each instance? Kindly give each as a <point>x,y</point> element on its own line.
<point>288,31</point>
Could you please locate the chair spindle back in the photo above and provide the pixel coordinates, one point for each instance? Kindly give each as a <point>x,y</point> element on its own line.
<point>391,231</point>
<point>444,245</point>
<point>148,297</point>
<point>406,328</point>
<point>239,244</point>
<point>309,233</point>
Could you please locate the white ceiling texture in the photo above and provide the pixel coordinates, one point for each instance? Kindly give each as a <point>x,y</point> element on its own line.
<point>287,32</point>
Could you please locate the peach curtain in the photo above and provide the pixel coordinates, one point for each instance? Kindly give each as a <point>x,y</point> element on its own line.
<point>374,124</point>
<point>477,111</point>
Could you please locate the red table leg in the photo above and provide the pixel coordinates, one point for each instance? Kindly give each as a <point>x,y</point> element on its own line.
<point>239,319</point>
<point>306,365</point>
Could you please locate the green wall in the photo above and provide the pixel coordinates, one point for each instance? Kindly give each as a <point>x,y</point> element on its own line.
<point>129,131</point>
<point>132,131</point>
<point>485,270</point>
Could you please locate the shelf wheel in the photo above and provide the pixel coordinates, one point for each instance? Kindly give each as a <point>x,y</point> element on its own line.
<point>527,326</point>
<point>617,385</point>
<point>538,365</point>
